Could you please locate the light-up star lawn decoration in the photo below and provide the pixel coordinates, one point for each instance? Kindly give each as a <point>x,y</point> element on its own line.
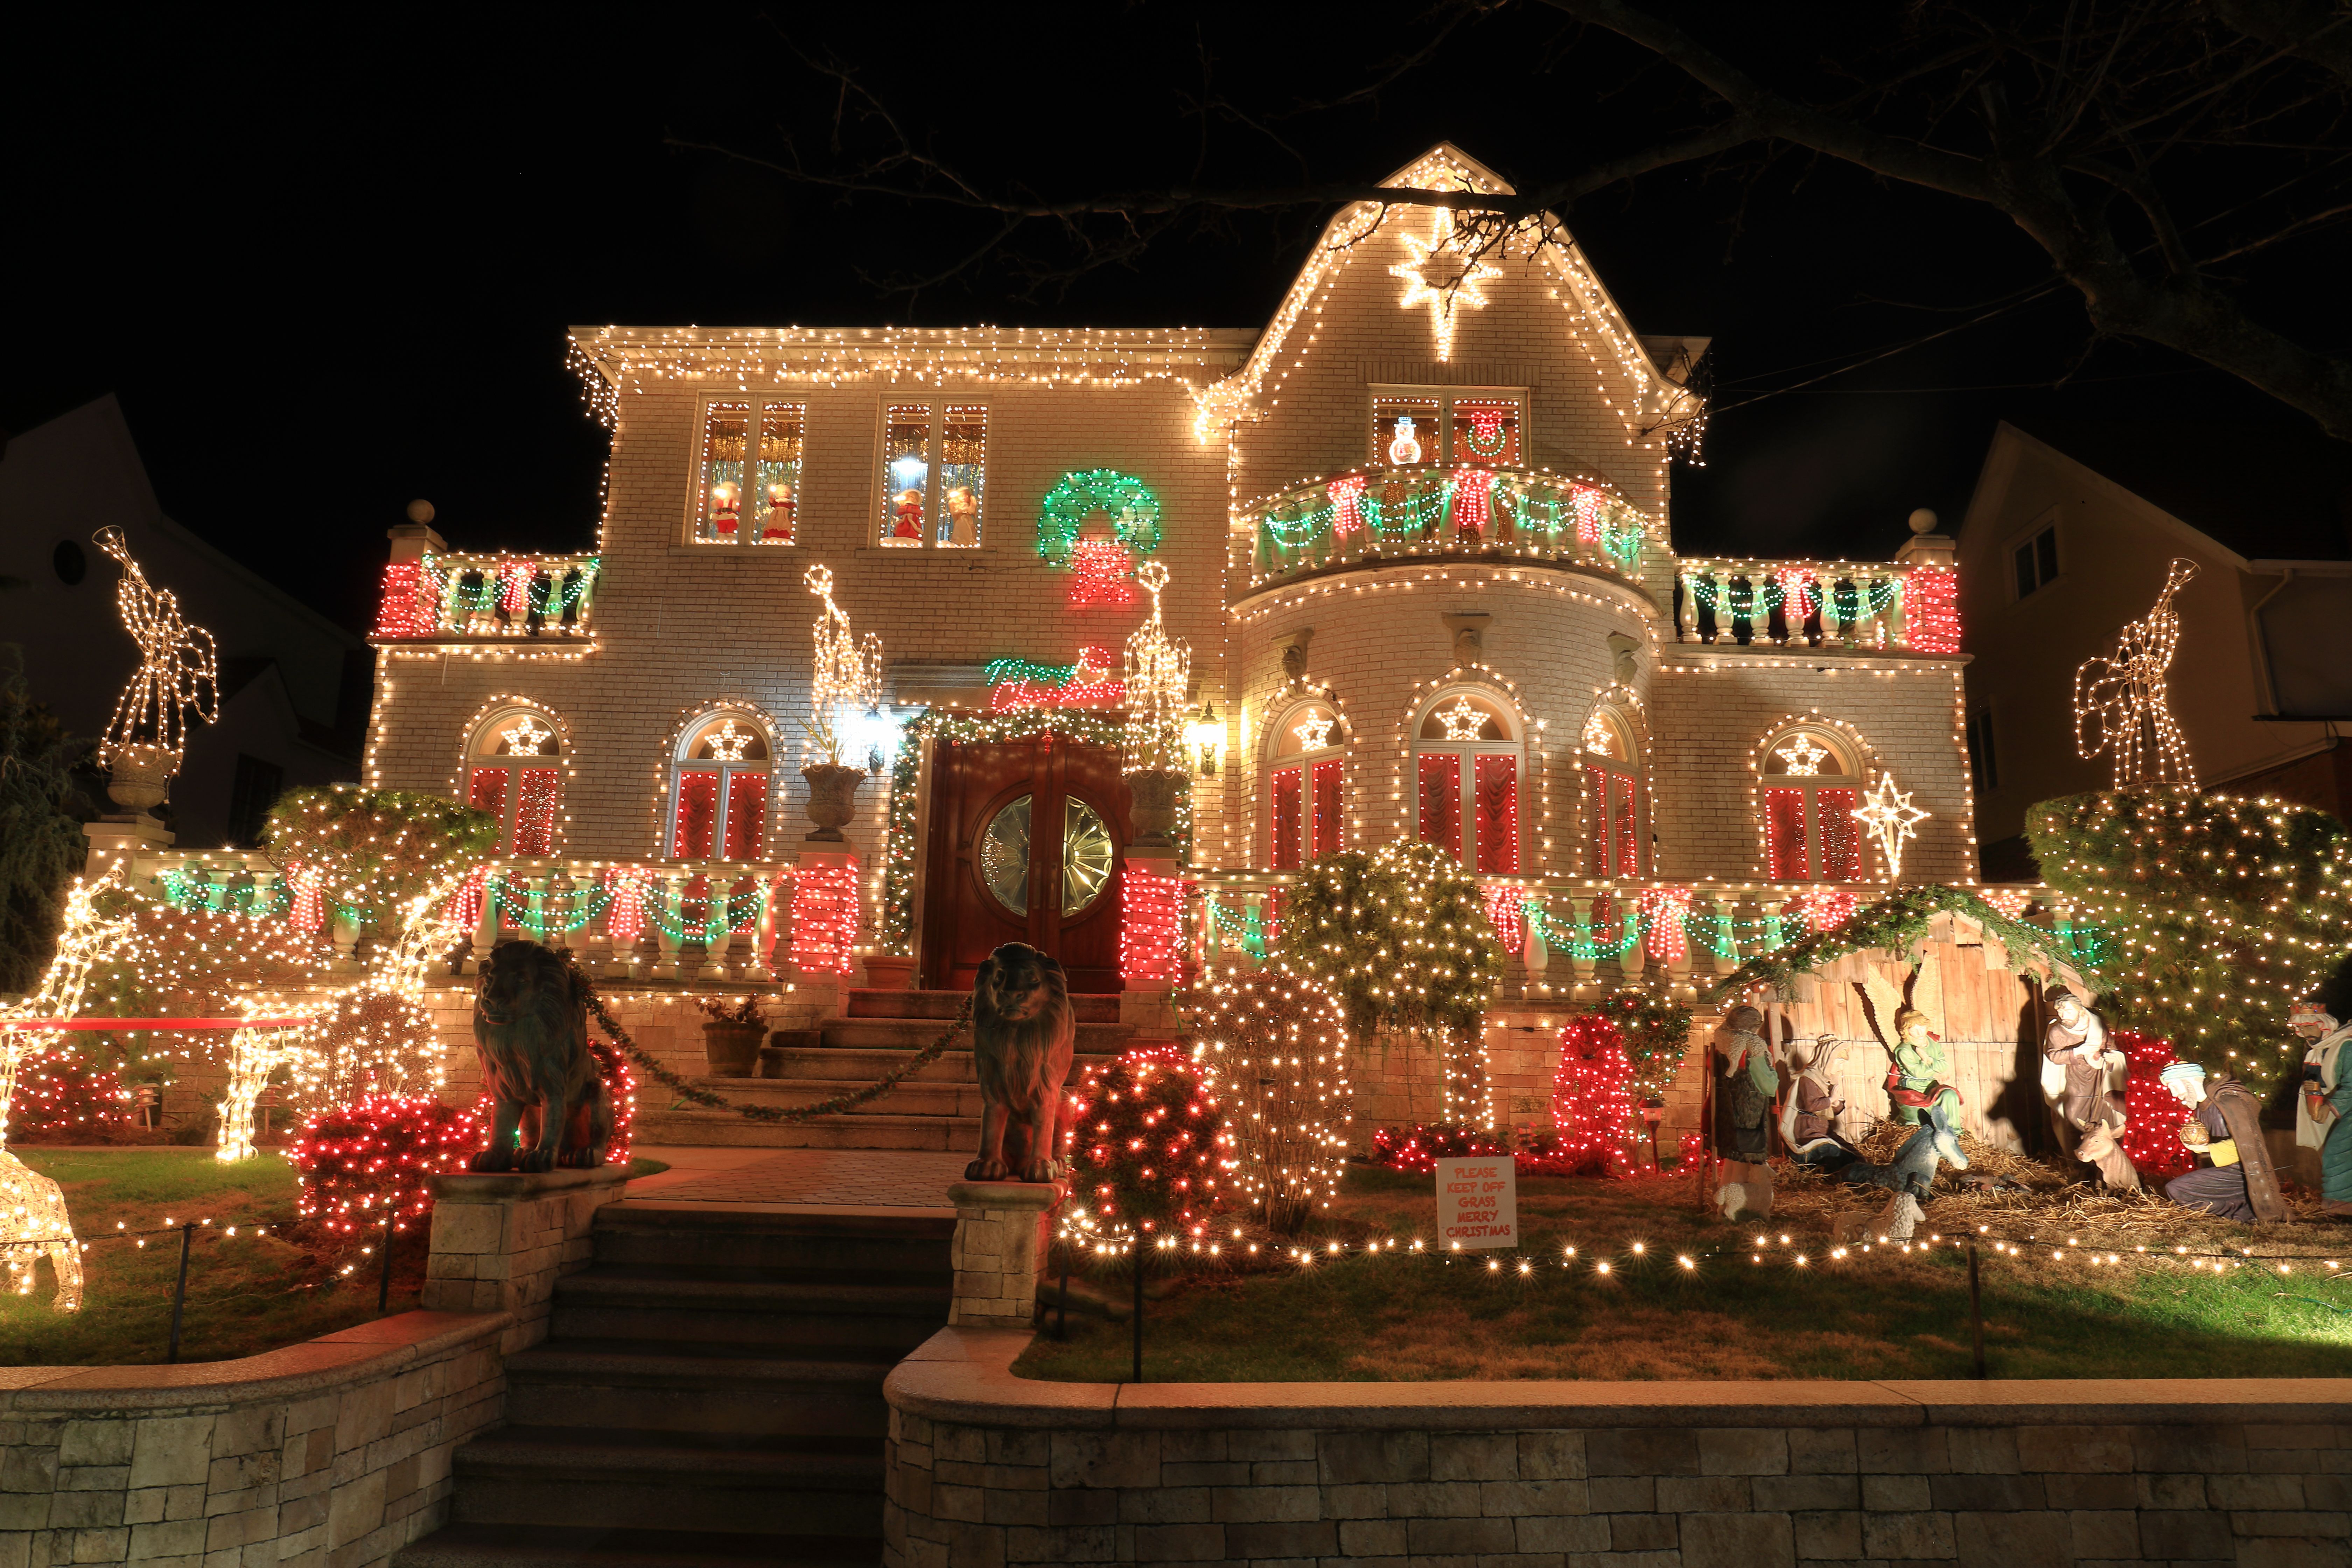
<point>526,738</point>
<point>1803,755</point>
<point>1440,277</point>
<point>1462,720</point>
<point>1313,732</point>
<point>1891,818</point>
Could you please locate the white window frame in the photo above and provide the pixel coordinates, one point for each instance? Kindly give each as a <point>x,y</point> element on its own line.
<point>1466,807</point>
<point>480,753</point>
<point>697,499</point>
<point>882,518</point>
<point>2028,538</point>
<point>763,769</point>
<point>1305,760</point>
<point>1445,397</point>
<point>1812,784</point>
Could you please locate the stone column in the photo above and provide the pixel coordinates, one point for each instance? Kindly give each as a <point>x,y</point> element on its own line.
<point>1002,1237</point>
<point>500,1242</point>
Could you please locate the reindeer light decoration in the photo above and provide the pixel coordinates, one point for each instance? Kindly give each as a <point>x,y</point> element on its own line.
<point>178,674</point>
<point>2120,703</point>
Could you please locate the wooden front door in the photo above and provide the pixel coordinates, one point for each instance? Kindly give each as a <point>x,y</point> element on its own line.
<point>1026,837</point>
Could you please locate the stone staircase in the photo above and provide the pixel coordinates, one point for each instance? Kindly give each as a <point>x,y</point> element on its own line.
<point>710,1394</point>
<point>937,1109</point>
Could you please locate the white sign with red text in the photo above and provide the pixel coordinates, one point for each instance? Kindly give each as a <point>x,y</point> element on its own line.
<point>1477,1203</point>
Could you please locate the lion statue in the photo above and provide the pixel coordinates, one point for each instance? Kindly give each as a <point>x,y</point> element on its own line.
<point>1023,1034</point>
<point>530,1029</point>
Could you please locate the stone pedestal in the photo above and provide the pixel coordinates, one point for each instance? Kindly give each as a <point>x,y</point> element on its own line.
<point>1001,1238</point>
<point>500,1242</point>
<point>132,838</point>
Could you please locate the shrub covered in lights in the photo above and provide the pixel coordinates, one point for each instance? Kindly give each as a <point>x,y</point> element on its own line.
<point>1418,1148</point>
<point>1151,1160</point>
<point>1654,1029</point>
<point>358,1160</point>
<point>66,1098</point>
<point>1273,1046</point>
<point>1400,938</point>
<point>2152,1117</point>
<point>367,852</point>
<point>369,1040</point>
<point>1592,1100</point>
<point>2219,912</point>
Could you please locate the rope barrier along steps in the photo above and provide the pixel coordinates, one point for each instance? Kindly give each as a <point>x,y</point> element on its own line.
<point>833,1107</point>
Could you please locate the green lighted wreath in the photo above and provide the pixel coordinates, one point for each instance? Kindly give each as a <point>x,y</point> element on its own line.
<point>1133,509</point>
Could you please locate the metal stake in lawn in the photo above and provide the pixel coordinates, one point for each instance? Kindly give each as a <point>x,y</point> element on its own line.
<point>1976,1309</point>
<point>179,1296</point>
<point>1139,1309</point>
<point>383,1279</point>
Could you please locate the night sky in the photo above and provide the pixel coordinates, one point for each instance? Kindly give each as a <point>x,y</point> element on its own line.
<point>326,273</point>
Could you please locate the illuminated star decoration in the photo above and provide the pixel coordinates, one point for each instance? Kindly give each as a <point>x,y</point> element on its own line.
<point>1891,818</point>
<point>2120,704</point>
<point>1597,737</point>
<point>1803,756</point>
<point>727,743</point>
<point>1313,732</point>
<point>1440,277</point>
<point>179,670</point>
<point>526,738</point>
<point>1462,720</point>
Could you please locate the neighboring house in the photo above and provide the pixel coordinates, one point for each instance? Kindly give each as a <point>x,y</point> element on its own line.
<point>294,686</point>
<point>2068,538</point>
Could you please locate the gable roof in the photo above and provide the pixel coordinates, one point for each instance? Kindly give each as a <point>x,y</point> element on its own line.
<point>2263,490</point>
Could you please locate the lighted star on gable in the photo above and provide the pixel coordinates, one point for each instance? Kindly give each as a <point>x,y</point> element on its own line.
<point>526,738</point>
<point>1803,755</point>
<point>1462,721</point>
<point>1890,817</point>
<point>1313,732</point>
<point>1440,277</point>
<point>727,743</point>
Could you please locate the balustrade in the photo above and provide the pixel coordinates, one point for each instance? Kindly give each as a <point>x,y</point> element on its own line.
<point>1813,604</point>
<point>443,597</point>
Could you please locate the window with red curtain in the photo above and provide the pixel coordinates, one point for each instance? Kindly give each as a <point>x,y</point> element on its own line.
<point>1841,858</point>
<point>1288,791</point>
<point>1784,836</point>
<point>747,814</point>
<point>488,792</point>
<point>1625,818</point>
<point>698,814</point>
<point>513,775</point>
<point>535,803</point>
<point>1440,820</point>
<point>1325,777</point>
<point>1498,781</point>
<point>1612,837</point>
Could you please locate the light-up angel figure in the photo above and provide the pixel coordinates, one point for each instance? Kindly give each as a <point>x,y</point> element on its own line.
<point>178,674</point>
<point>847,674</point>
<point>1159,673</point>
<point>2120,704</point>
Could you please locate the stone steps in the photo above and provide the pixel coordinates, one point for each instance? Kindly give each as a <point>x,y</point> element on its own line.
<point>726,1130</point>
<point>1091,1007</point>
<point>568,1546</point>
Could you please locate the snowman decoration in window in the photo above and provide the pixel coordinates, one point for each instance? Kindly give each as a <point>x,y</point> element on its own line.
<point>1404,445</point>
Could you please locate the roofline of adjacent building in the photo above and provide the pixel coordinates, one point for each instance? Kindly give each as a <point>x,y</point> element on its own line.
<point>2005,433</point>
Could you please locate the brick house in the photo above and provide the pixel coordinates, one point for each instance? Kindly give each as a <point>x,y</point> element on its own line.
<point>1417,537</point>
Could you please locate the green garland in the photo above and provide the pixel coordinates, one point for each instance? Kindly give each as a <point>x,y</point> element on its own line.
<point>1656,1031</point>
<point>1133,509</point>
<point>1890,925</point>
<point>846,1100</point>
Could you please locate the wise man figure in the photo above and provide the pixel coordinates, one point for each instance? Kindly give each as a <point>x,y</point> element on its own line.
<point>1808,1114</point>
<point>2224,1129</point>
<point>2082,1077</point>
<point>1744,1087</point>
<point>2322,1103</point>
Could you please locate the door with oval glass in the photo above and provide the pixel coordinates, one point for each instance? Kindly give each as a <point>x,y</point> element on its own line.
<point>1025,842</point>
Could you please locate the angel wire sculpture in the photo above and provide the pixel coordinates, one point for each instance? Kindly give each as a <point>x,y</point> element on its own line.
<point>2120,705</point>
<point>178,674</point>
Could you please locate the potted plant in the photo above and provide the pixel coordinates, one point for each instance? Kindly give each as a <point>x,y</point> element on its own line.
<point>889,971</point>
<point>731,1037</point>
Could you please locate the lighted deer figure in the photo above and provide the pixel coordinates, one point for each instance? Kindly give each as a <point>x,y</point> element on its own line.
<point>33,1221</point>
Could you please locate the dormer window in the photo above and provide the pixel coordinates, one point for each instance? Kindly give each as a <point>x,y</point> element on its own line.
<point>1440,424</point>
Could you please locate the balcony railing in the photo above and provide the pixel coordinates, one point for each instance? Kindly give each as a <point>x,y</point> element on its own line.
<point>474,597</point>
<point>1819,604</point>
<point>1392,514</point>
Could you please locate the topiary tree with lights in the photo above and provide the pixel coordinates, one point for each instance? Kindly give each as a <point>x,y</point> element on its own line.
<point>1654,1029</point>
<point>2216,912</point>
<point>1151,1163</point>
<point>1400,938</point>
<point>1272,1043</point>
<point>1592,1098</point>
<point>370,852</point>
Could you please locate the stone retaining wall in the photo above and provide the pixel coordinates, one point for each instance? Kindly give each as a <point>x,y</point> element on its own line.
<point>330,1454</point>
<point>989,1468</point>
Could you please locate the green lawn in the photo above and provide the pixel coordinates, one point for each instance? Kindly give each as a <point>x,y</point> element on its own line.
<point>247,1293</point>
<point>1402,1316</point>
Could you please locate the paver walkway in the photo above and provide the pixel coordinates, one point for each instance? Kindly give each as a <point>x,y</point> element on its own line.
<point>894,1179</point>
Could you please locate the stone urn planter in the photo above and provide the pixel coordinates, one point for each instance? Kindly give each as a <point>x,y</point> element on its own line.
<point>140,774</point>
<point>1152,804</point>
<point>833,799</point>
<point>886,972</point>
<point>732,1049</point>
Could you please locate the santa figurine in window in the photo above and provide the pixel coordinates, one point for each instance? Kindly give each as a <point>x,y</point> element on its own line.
<point>726,506</point>
<point>781,506</point>
<point>909,512</point>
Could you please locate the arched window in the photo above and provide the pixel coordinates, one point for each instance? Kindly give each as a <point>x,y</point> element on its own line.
<point>514,771</point>
<point>1612,795</point>
<point>1306,768</point>
<point>718,791</point>
<point>1812,781</point>
<point>1467,759</point>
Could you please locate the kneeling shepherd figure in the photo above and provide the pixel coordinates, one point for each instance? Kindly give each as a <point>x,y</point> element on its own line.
<point>2227,1130</point>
